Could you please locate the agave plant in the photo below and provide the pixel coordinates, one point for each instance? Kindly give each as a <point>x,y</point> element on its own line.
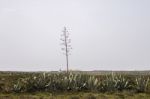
<point>17,87</point>
<point>114,82</point>
<point>141,84</point>
<point>121,83</point>
<point>108,84</point>
<point>93,83</point>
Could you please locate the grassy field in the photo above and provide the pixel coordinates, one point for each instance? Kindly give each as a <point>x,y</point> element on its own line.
<point>75,85</point>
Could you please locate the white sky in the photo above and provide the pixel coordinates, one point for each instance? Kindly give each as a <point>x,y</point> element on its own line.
<point>106,34</point>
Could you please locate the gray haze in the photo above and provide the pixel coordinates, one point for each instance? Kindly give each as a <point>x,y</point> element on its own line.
<point>106,34</point>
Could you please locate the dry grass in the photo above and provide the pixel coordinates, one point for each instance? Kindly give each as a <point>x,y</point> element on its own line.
<point>81,95</point>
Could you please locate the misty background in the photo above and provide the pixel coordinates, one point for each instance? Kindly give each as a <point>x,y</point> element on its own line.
<point>106,34</point>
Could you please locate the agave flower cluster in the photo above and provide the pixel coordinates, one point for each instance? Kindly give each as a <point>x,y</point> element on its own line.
<point>79,82</point>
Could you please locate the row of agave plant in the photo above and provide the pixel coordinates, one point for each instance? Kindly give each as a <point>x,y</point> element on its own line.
<point>80,82</point>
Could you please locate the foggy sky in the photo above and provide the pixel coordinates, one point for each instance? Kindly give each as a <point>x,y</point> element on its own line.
<point>106,34</point>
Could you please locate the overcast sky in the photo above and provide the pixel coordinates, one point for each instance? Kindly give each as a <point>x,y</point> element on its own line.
<point>106,34</point>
